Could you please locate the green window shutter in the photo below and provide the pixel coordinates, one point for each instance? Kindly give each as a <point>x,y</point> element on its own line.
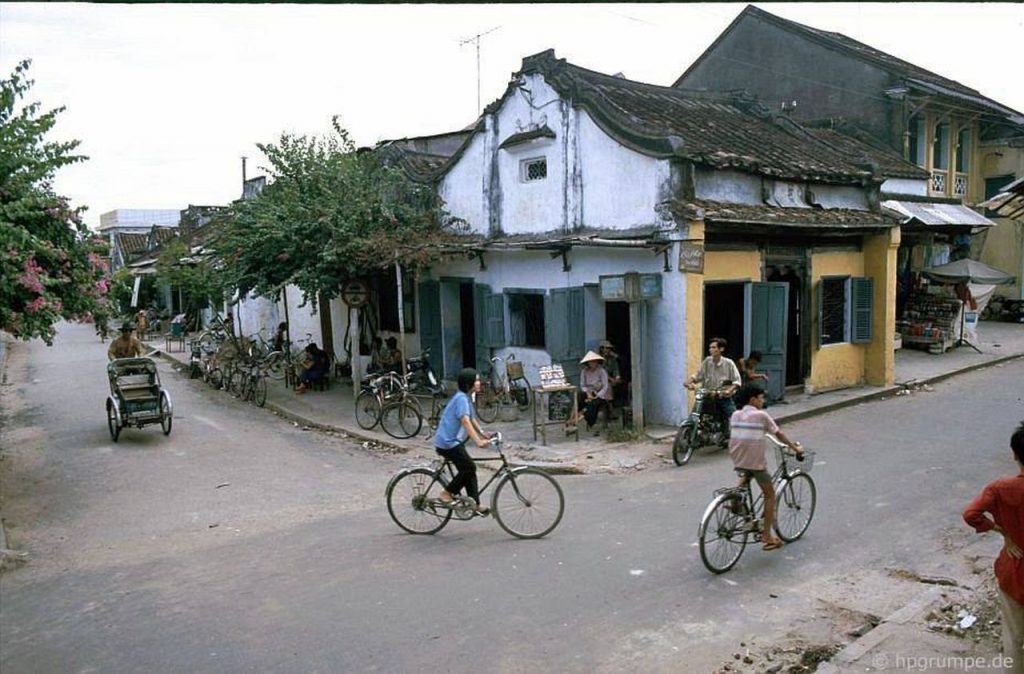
<point>576,328</point>
<point>496,320</point>
<point>819,297</point>
<point>862,300</point>
<point>556,309</point>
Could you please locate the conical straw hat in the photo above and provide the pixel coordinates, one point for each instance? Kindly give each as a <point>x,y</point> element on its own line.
<point>591,356</point>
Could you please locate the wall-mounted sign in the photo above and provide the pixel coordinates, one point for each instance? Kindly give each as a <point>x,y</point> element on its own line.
<point>630,287</point>
<point>355,293</point>
<point>691,257</point>
<point>613,288</point>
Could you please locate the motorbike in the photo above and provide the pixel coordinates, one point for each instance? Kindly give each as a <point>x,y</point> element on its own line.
<point>701,428</point>
<point>422,378</point>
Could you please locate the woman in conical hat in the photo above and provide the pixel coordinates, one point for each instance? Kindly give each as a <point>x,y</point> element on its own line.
<point>594,388</point>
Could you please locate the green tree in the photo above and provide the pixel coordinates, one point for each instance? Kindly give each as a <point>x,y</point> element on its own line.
<point>50,266</point>
<point>196,277</point>
<point>328,214</point>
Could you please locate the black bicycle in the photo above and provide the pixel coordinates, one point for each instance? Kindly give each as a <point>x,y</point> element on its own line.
<point>527,502</point>
<point>734,515</point>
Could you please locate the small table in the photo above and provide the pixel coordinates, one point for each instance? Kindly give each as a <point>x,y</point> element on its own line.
<point>541,396</point>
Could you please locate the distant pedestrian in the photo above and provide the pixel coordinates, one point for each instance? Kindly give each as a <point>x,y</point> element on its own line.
<point>1000,508</point>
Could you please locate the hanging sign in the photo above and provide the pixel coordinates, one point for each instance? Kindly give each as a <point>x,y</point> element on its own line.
<point>355,293</point>
<point>631,287</point>
<point>691,257</point>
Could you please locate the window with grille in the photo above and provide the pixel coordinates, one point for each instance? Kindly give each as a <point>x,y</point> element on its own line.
<point>534,169</point>
<point>526,318</point>
<point>845,310</point>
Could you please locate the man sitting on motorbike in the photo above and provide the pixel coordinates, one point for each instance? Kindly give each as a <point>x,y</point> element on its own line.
<point>720,375</point>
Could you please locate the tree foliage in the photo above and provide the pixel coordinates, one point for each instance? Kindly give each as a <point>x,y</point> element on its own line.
<point>50,266</point>
<point>196,277</point>
<point>328,214</point>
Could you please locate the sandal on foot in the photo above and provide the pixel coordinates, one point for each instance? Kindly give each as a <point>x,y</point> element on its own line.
<point>482,511</point>
<point>772,545</point>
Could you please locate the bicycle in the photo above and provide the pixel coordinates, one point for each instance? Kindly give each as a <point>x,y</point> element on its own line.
<point>249,382</point>
<point>734,515</point>
<point>527,502</point>
<point>499,390</point>
<point>376,392</point>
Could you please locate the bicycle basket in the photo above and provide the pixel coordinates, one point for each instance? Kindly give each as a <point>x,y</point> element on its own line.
<point>793,466</point>
<point>514,370</point>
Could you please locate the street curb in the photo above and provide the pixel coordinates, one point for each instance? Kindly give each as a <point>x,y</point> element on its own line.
<point>889,390</point>
<point>915,609</point>
<point>573,469</point>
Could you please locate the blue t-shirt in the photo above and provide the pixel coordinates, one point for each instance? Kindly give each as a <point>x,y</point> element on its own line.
<point>450,431</point>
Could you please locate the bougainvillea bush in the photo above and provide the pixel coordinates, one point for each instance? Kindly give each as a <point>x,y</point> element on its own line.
<point>51,267</point>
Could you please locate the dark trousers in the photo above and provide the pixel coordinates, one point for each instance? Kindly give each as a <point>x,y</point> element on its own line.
<point>466,475</point>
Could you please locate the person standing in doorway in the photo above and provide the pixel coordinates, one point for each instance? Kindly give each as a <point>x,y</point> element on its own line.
<point>1000,508</point>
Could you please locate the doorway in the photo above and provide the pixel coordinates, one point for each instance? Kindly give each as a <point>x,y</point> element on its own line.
<point>616,331</point>
<point>723,317</point>
<point>458,327</point>
<point>792,274</point>
<point>468,323</point>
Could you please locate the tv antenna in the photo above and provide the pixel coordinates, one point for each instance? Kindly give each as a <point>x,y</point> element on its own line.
<point>476,41</point>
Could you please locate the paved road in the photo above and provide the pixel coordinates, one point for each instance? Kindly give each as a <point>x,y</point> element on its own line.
<point>141,562</point>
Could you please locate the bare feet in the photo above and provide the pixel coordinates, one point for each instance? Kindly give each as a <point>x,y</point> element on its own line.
<point>445,497</point>
<point>772,544</point>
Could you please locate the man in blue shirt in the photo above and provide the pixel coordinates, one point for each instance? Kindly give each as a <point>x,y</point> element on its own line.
<point>457,425</point>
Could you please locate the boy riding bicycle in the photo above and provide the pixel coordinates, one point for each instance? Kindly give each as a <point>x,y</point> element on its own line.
<point>748,448</point>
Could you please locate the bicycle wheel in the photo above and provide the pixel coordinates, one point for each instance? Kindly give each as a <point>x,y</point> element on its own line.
<point>528,503</point>
<point>112,426</point>
<point>274,365</point>
<point>215,378</point>
<point>796,498</point>
<point>722,535</point>
<point>236,383</point>
<point>409,497</point>
<point>259,392</point>
<point>367,409</point>
<point>401,419</point>
<point>685,443</point>
<point>488,406</point>
<point>166,414</point>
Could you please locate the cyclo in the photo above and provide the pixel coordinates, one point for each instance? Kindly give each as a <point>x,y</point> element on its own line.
<point>136,397</point>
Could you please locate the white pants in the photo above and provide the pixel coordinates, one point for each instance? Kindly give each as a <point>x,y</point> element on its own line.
<point>1013,631</point>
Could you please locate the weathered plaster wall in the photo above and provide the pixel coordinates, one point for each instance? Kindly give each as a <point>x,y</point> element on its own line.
<point>620,187</point>
<point>662,326</point>
<point>905,186</point>
<point>463,188</point>
<point>880,264</point>
<point>834,365</point>
<point>734,187</point>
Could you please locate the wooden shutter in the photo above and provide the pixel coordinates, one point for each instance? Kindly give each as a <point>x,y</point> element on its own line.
<point>430,320</point>
<point>862,300</point>
<point>495,308</point>
<point>819,298</point>
<point>576,327</point>
<point>556,309</point>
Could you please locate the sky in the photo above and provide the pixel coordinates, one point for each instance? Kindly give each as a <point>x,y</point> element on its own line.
<point>166,99</point>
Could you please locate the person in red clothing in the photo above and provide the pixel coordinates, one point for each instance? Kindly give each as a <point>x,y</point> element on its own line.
<point>1000,508</point>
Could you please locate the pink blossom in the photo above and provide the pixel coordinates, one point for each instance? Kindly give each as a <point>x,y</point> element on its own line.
<point>36,305</point>
<point>31,282</point>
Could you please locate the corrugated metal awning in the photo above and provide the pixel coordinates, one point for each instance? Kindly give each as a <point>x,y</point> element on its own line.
<point>936,215</point>
<point>1009,203</point>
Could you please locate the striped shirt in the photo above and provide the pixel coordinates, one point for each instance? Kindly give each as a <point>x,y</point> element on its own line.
<point>747,444</point>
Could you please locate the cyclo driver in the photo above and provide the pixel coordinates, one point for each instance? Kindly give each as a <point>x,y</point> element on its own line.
<point>720,375</point>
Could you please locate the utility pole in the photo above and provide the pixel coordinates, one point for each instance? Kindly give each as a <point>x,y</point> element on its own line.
<point>476,40</point>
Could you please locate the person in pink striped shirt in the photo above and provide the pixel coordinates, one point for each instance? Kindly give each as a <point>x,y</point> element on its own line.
<point>748,449</point>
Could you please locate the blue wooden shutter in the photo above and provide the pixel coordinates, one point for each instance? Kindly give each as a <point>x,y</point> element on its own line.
<point>496,320</point>
<point>862,301</point>
<point>556,309</point>
<point>481,343</point>
<point>430,321</point>
<point>576,329</point>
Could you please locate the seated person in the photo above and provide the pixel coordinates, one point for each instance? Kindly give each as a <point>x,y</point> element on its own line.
<point>314,368</point>
<point>391,357</point>
<point>125,346</point>
<point>718,373</point>
<point>376,355</point>
<point>595,391</point>
<point>281,336</point>
<point>748,370</point>
<point>620,387</point>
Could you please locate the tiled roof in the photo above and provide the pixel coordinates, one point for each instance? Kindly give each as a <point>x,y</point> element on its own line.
<point>720,130</point>
<point>165,234</point>
<point>525,136</point>
<point>889,164</point>
<point>914,75</point>
<point>131,244</point>
<point>421,167</point>
<point>1009,203</point>
<point>713,212</point>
